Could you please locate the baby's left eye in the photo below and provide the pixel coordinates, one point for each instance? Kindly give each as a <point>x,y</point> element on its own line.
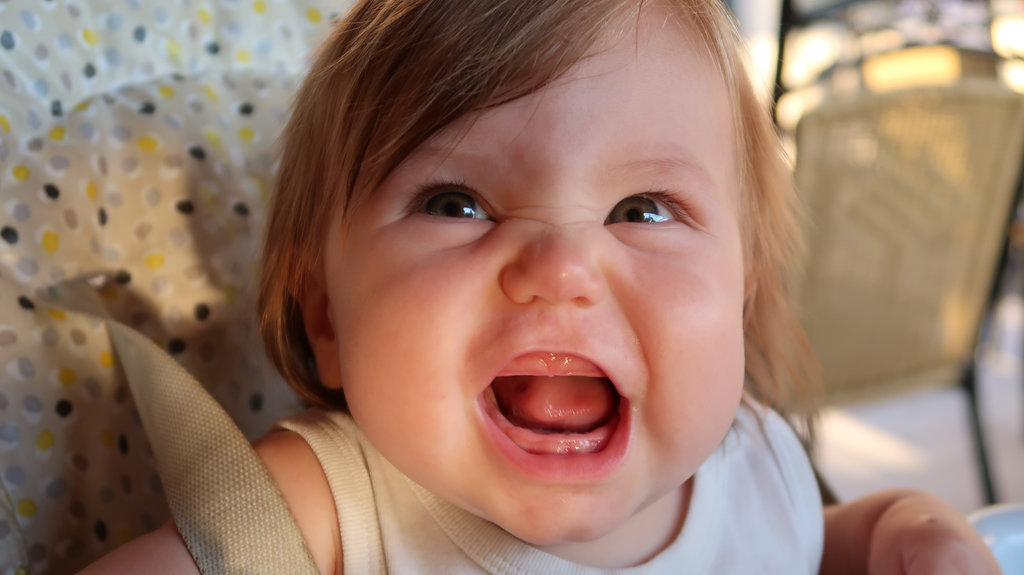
<point>640,209</point>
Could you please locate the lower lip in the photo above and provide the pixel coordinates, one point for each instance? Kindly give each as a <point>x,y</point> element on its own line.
<point>568,467</point>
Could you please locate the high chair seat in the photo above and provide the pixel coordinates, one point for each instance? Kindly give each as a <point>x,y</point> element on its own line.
<point>136,146</point>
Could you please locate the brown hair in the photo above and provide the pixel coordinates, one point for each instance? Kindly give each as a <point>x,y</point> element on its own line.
<point>393,73</point>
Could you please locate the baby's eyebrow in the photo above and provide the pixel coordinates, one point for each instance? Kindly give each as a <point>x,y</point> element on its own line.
<point>671,166</point>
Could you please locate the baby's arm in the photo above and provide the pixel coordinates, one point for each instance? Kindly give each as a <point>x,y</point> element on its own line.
<point>162,551</point>
<point>902,532</point>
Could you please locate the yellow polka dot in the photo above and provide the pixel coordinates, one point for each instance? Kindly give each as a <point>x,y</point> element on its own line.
<point>51,241</point>
<point>107,359</point>
<point>5,123</point>
<point>148,143</point>
<point>83,106</point>
<point>66,376</point>
<point>167,92</point>
<point>21,173</point>
<point>27,508</point>
<point>230,294</point>
<point>45,440</point>
<point>314,15</point>
<point>204,16</point>
<point>123,536</point>
<point>21,570</point>
<point>211,93</point>
<point>243,57</point>
<point>90,36</point>
<point>212,136</point>
<point>107,438</point>
<point>57,314</point>
<point>57,134</point>
<point>91,191</point>
<point>259,7</point>
<point>246,134</point>
<point>155,261</point>
<point>173,49</point>
<point>108,292</point>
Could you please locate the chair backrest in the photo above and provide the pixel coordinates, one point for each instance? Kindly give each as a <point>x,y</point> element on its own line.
<point>908,195</point>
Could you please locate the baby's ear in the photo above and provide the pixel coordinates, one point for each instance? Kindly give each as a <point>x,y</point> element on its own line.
<point>316,316</point>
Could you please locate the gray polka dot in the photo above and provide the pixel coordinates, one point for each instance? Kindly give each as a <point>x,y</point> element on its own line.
<point>20,212</point>
<point>106,494</point>
<point>92,387</point>
<point>113,57</point>
<point>94,245</point>
<point>56,488</point>
<point>87,131</point>
<point>42,52</point>
<point>32,404</point>
<point>112,254</point>
<point>172,122</point>
<point>8,338</point>
<point>229,82</point>
<point>147,69</point>
<point>34,121</point>
<point>57,274</point>
<point>51,337</point>
<point>74,11</point>
<point>14,475</point>
<point>160,15</point>
<point>114,21</point>
<point>195,105</point>
<point>59,163</point>
<point>30,20</point>
<point>193,31</point>
<point>65,80</point>
<point>259,84</point>
<point>71,219</point>
<point>77,336</point>
<point>174,162</point>
<point>114,199</point>
<point>40,87</point>
<point>233,29</point>
<point>25,368</point>
<point>101,165</point>
<point>28,266</point>
<point>9,78</point>
<point>159,285</point>
<point>37,553</point>
<point>129,165</point>
<point>178,237</point>
<point>143,229</point>
<point>9,433</point>
<point>35,144</point>
<point>64,42</point>
<point>151,196</point>
<point>121,133</point>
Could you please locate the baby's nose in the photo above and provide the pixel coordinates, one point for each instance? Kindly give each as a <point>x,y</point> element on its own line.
<point>557,265</point>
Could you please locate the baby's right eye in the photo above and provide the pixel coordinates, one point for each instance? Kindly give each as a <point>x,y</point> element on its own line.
<point>452,204</point>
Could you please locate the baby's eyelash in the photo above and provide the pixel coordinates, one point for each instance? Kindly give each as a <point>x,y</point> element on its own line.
<point>681,210</point>
<point>429,189</point>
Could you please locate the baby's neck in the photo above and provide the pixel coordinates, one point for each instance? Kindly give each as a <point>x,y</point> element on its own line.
<point>638,539</point>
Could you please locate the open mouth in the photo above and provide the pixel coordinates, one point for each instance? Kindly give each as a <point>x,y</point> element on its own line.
<point>555,415</point>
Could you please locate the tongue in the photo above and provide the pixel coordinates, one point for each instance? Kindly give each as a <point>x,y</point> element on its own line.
<point>561,404</point>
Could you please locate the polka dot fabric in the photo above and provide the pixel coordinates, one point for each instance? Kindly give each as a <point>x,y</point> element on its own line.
<point>136,148</point>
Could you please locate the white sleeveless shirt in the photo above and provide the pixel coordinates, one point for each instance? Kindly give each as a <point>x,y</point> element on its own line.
<point>755,508</point>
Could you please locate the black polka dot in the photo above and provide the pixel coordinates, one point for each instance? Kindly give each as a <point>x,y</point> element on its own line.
<point>245,109</point>
<point>177,77</point>
<point>26,303</point>
<point>197,152</point>
<point>89,70</point>
<point>122,277</point>
<point>256,402</point>
<point>147,108</point>
<point>56,108</point>
<point>139,34</point>
<point>100,529</point>
<point>202,311</point>
<point>51,191</point>
<point>213,48</point>
<point>64,408</point>
<point>185,206</point>
<point>176,346</point>
<point>241,209</point>
<point>7,40</point>
<point>9,234</point>
<point>122,443</point>
<point>101,216</point>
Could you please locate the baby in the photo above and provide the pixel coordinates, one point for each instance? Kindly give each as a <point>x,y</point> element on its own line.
<point>525,259</point>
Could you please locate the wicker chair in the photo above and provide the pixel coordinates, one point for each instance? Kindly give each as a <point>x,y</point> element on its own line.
<point>910,195</point>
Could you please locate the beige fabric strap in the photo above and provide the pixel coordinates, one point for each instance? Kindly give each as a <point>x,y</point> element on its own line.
<point>227,508</point>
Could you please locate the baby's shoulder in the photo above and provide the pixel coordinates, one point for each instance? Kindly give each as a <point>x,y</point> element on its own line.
<point>297,472</point>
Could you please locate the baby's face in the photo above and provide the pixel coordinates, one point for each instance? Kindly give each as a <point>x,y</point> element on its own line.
<point>538,315</point>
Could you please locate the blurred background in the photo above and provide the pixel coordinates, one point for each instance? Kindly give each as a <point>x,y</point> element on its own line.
<point>906,124</point>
